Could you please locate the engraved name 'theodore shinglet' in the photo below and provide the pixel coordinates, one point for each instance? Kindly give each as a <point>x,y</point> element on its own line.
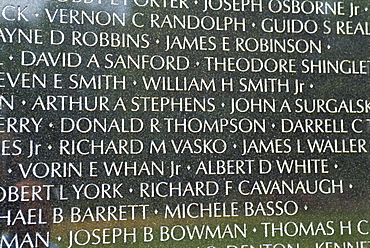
<point>184,123</point>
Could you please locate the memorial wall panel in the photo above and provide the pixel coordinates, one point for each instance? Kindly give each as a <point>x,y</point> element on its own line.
<point>184,123</point>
